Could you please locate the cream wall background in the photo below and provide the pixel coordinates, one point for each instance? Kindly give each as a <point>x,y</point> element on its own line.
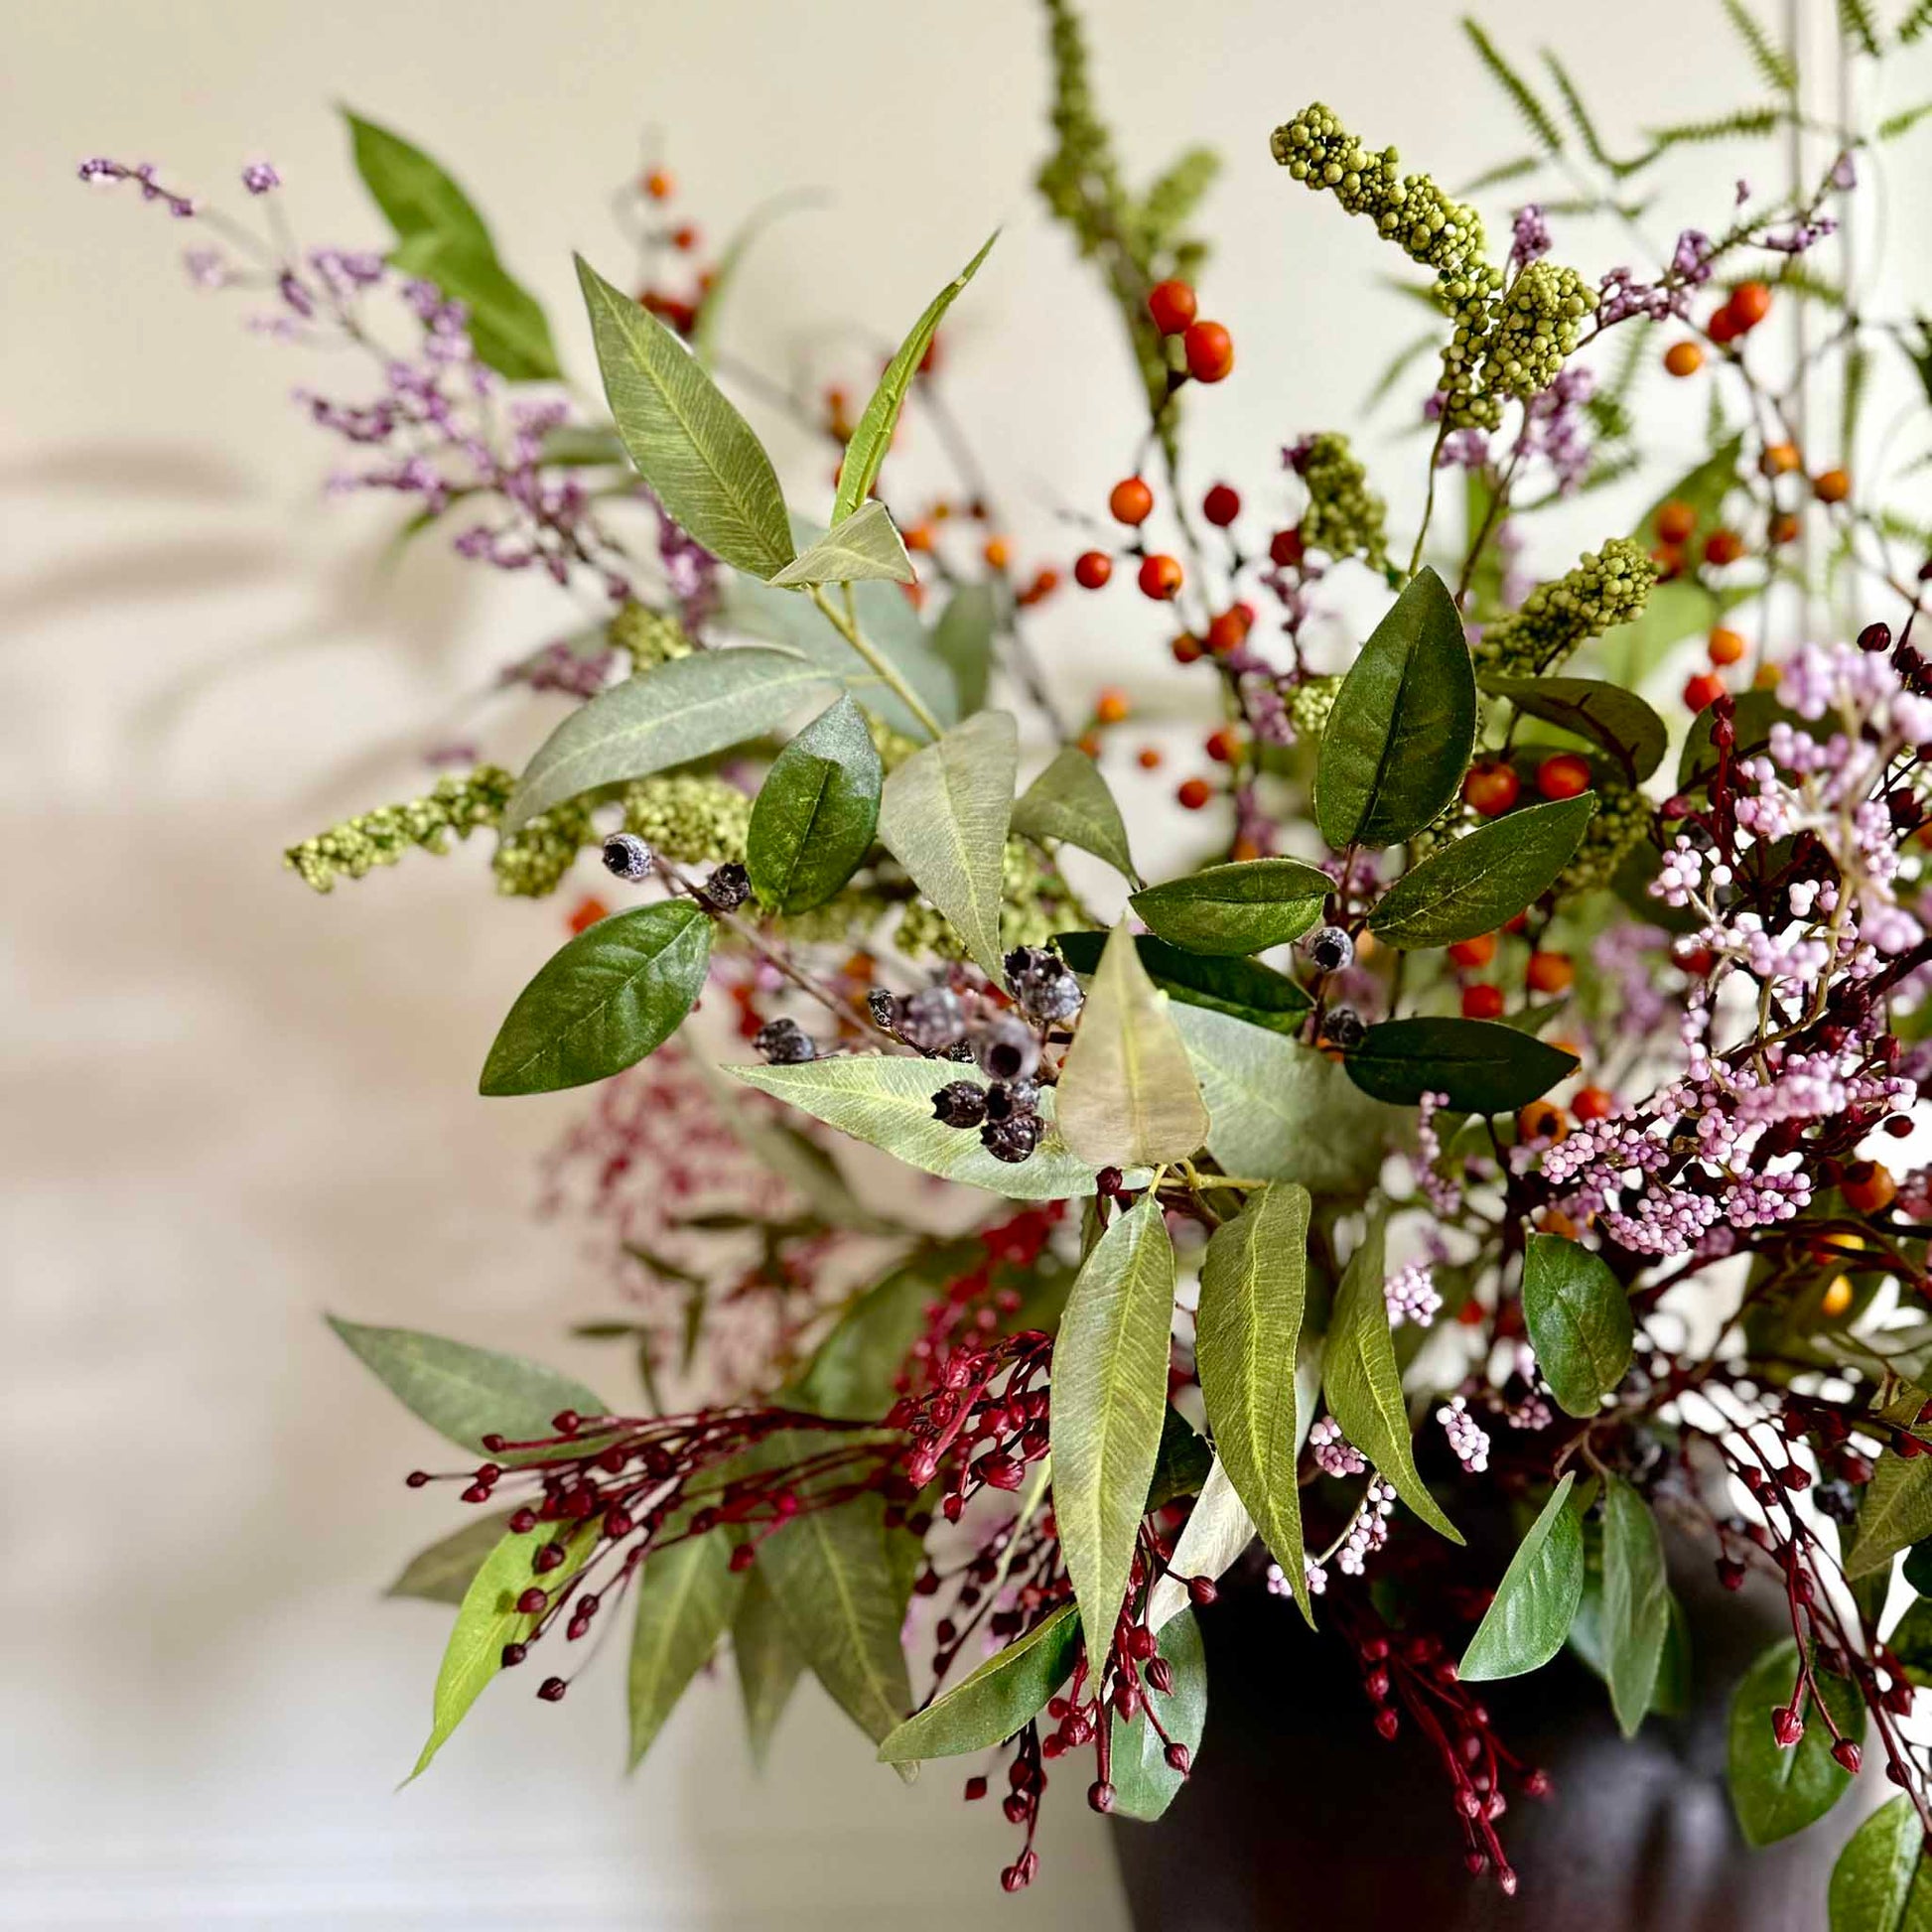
<point>230,1105</point>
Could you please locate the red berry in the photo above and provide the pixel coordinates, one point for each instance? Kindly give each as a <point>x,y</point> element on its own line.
<point>1160,576</point>
<point>1721,328</point>
<point>1722,547</point>
<point>1592,1103</point>
<point>1482,1003</point>
<point>1172,305</point>
<point>1563,776</point>
<point>1187,649</point>
<point>1131,500</point>
<point>1221,506</point>
<point>1193,793</point>
<point>1210,351</point>
<point>1092,568</point>
<point>1475,953</point>
<point>1750,304</point>
<point>1677,521</point>
<point>1228,631</point>
<point>1703,691</point>
<point>1284,549</point>
<point>1490,789</point>
<point>1220,746</point>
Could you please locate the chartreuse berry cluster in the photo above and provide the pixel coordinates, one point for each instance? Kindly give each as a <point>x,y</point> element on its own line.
<point>1344,516</point>
<point>1607,587</point>
<point>455,808</point>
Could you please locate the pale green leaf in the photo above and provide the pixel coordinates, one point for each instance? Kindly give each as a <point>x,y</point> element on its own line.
<point>443,1572</point>
<point>866,545</point>
<point>1145,1783</point>
<point>1894,1511</point>
<point>963,638</point>
<point>687,1595</point>
<point>988,1706</point>
<point>1070,801</point>
<point>768,1662</point>
<point>1218,1529</point>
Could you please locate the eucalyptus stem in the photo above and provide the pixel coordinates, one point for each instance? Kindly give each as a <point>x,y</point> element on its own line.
<point>848,627</point>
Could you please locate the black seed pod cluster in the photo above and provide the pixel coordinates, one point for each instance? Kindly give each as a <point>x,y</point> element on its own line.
<point>626,856</point>
<point>729,886</point>
<point>932,1021</point>
<point>1043,984</point>
<point>1329,950</point>
<point>784,1042</point>
<point>1008,1049</point>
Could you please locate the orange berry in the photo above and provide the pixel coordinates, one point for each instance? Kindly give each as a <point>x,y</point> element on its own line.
<point>1482,1003</point>
<point>1227,633</point>
<point>1831,487</point>
<point>1677,521</point>
<point>658,184</point>
<point>1111,706</point>
<point>1159,577</point>
<point>1553,1220</point>
<point>684,238</point>
<point>1490,789</point>
<point>587,914</point>
<point>1130,501</point>
<point>1220,745</point>
<point>1221,506</point>
<point>1784,527</point>
<point>1669,559</point>
<point>1210,350</point>
<point>1541,1121</point>
<point>1781,459</point>
<point>1550,972</point>
<point>1193,793</point>
<point>1563,776</point>
<point>1750,304</point>
<point>1243,850</point>
<point>1516,922</point>
<point>1682,359</point>
<point>1091,569</point>
<point>1767,677</point>
<point>1090,743</point>
<point>1703,691</point>
<point>1722,547</point>
<point>1837,1298</point>
<point>1723,327</point>
<point>1473,953</point>
<point>995,553</point>
<point>1867,1187</point>
<point>1148,758</point>
<point>1592,1103</point>
<point>1172,304</point>
<point>1187,649</point>
<point>919,537</point>
<point>1725,647</point>
<point>1044,584</point>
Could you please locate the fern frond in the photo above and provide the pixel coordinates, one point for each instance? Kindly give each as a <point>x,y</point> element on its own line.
<point>1795,279</point>
<point>1535,117</point>
<point>1404,360</point>
<point>1854,20</point>
<point>1772,62</point>
<point>1894,125</point>
<point>1747,123</point>
<point>1610,469</point>
<point>1858,371</point>
<point>1526,163</point>
<point>1579,114</point>
<point>1915,23</point>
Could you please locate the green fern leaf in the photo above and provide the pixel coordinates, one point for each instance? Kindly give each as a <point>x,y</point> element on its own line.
<point>1772,63</point>
<point>1534,115</point>
<point>1855,21</point>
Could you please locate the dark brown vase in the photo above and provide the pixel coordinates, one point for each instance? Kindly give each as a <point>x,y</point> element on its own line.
<point>1297,1815</point>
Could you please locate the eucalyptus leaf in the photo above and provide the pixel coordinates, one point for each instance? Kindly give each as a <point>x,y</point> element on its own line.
<point>1253,1294</point>
<point>1579,1317</point>
<point>888,1102</point>
<point>465,1392</point>
<point>1108,1400</point>
<point>1242,907</point>
<point>688,441</point>
<point>767,1663</point>
<point>1607,714</point>
<point>673,712</point>
<point>615,994</point>
<point>1217,1530</point>
<point>1127,1094</point>
<point>1363,1384</point>
<point>687,1595</point>
<point>1528,1617</point>
<point>944,817</point>
<point>963,638</point>
<point>988,1706</point>
<point>1776,1791</point>
<point>1894,1511</point>
<point>866,448</point>
<point>1244,989</point>
<point>1399,738</point>
<point>1481,1065</point>
<point>1145,1783</point>
<point>1880,1882</point>
<point>1070,801</point>
<point>1636,1603</point>
<point>443,1572</point>
<point>866,545</point>
<point>815,814</point>
<point>1473,884</point>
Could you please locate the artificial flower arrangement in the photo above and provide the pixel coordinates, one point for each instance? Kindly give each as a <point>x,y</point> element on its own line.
<point>1494,1119</point>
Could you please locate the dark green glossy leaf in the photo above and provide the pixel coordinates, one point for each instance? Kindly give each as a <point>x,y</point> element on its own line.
<point>866,546</point>
<point>1476,882</point>
<point>1753,713</point>
<point>1363,1384</point>
<point>1911,1642</point>
<point>768,1662</point>
<point>816,812</point>
<point>465,1392</point>
<point>1608,714</point>
<point>1253,1292</point>
<point>1636,1603</point>
<point>1528,1617</point>
<point>1579,1317</point>
<point>1398,740</point>
<point>443,1572</point>
<point>687,1594</point>
<point>672,713</point>
<point>1917,1569</point>
<point>1242,907</point>
<point>1880,1882</point>
<point>1244,989</point>
<point>1069,801</point>
<point>1109,1399</point>
<point>988,1706</point>
<point>613,995</point>
<point>963,639</point>
<point>1776,1791</point>
<point>1145,1784</point>
<point>1484,1066</point>
<point>865,449</point>
<point>689,443</point>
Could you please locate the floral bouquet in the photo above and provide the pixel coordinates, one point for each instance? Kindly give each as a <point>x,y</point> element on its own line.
<point>1492,1123</point>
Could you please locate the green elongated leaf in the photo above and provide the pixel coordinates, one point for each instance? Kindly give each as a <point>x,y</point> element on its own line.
<point>1218,1529</point>
<point>1399,738</point>
<point>1070,801</point>
<point>768,1661</point>
<point>1242,907</point>
<point>687,1596</point>
<point>1253,1292</point>
<point>1636,1603</point>
<point>1894,1511</point>
<point>686,709</point>
<point>1528,1617</point>
<point>873,436</point>
<point>1606,714</point>
<point>443,1572</point>
<point>1753,713</point>
<point>1244,989</point>
<point>688,441</point>
<point>1704,487</point>
<point>1363,1384</point>
<point>1918,1567</point>
<point>1145,1783</point>
<point>1579,1317</point>
<point>411,189</point>
<point>1484,1066</point>
<point>489,1620</point>
<point>615,994</point>
<point>816,811</point>
<point>843,1597</point>
<point>724,276</point>
<point>987,1708</point>
<point>465,1392</point>
<point>1109,1398</point>
<point>944,817</point>
<point>1474,884</point>
<point>1880,1882</point>
<point>1673,612</point>
<point>1776,1791</point>
<point>506,325</point>
<point>865,546</point>
<point>1181,1465</point>
<point>963,639</point>
<point>1127,1094</point>
<point>888,1102</point>
<point>1278,1111</point>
